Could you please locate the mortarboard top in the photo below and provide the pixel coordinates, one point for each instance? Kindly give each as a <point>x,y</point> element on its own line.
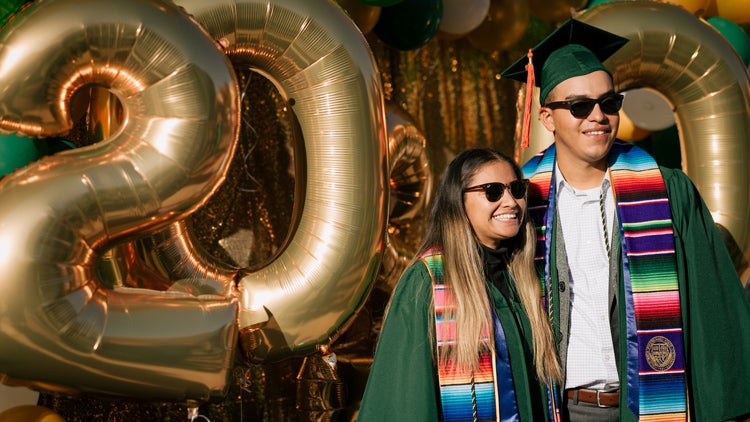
<point>573,49</point>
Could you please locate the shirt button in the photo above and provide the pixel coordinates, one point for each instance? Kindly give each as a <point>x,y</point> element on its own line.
<point>561,286</point>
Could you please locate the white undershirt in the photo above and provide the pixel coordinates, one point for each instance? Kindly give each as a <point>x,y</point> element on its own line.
<point>590,358</point>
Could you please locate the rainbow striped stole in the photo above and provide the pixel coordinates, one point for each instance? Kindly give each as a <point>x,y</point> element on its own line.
<point>456,395</point>
<point>656,386</point>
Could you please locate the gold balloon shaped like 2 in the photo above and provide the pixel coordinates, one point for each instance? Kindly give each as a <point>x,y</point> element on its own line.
<point>62,327</point>
<point>180,102</point>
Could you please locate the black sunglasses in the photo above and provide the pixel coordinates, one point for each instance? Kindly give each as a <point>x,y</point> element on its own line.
<point>494,191</point>
<point>581,108</point>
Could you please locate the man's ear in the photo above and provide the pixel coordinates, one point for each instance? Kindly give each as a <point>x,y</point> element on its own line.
<point>545,116</point>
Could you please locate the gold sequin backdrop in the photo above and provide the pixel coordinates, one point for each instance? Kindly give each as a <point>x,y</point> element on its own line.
<point>456,98</point>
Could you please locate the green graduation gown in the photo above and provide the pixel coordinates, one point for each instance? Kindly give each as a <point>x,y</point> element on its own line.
<point>715,312</point>
<point>403,386</point>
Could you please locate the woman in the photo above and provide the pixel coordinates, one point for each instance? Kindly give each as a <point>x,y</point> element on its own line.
<point>475,268</point>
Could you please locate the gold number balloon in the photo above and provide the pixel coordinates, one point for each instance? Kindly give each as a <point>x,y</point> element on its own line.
<point>700,74</point>
<point>180,100</point>
<point>322,65</point>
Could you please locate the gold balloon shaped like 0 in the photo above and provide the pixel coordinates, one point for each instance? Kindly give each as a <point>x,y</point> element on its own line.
<point>699,73</point>
<point>322,65</point>
<point>180,101</point>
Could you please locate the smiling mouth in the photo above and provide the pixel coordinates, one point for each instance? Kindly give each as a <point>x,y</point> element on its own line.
<point>505,217</point>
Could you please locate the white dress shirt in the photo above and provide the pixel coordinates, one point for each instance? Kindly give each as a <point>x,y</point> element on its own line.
<point>590,356</point>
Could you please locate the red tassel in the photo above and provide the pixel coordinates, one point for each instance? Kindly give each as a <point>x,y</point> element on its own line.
<point>530,82</point>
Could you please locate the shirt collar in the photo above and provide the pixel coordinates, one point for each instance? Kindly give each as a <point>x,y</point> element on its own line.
<point>561,183</point>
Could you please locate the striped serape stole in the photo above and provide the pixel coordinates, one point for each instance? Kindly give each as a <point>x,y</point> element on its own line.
<point>656,386</point>
<point>463,396</point>
<point>541,187</point>
<point>652,293</point>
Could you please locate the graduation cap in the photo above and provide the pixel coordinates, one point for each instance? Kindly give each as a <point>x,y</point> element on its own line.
<point>573,49</point>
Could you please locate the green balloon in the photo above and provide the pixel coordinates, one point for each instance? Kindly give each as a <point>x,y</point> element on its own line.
<point>8,8</point>
<point>16,152</point>
<point>409,24</point>
<point>735,34</point>
<point>53,145</point>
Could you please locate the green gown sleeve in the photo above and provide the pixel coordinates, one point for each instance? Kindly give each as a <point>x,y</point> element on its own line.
<point>716,314</point>
<point>401,385</point>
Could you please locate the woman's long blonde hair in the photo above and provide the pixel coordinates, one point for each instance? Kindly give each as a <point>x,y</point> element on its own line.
<point>463,269</point>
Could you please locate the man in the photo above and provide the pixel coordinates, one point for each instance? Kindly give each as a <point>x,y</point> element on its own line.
<point>649,313</point>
